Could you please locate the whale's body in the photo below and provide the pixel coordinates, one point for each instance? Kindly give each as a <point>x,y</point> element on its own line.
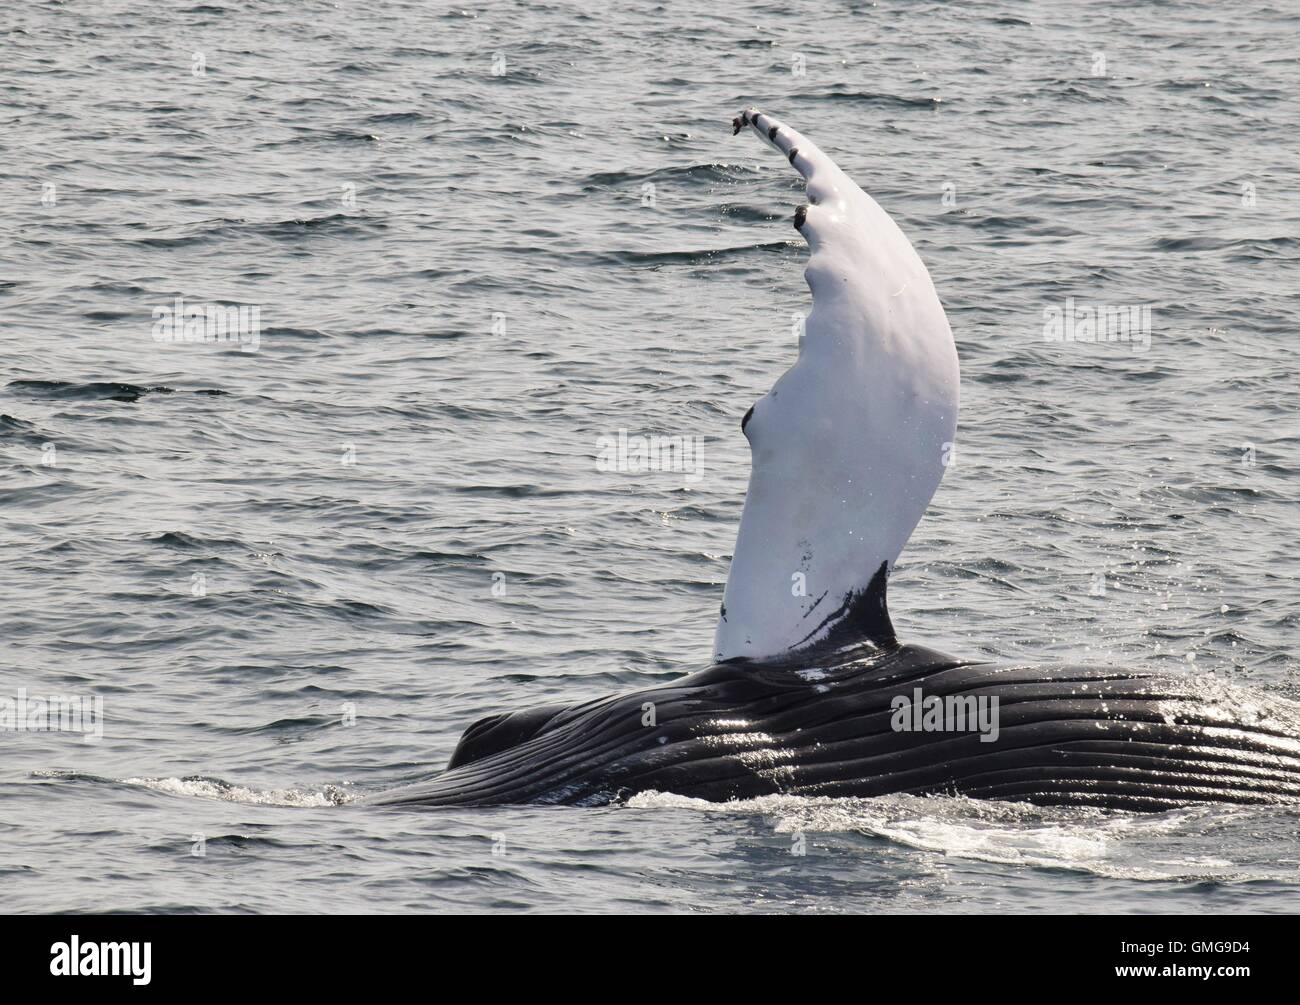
<point>1064,735</point>
<point>811,693</point>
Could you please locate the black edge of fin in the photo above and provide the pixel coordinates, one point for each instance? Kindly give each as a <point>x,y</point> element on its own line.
<point>864,614</point>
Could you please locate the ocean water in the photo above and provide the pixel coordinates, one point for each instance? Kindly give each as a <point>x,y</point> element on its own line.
<point>479,239</point>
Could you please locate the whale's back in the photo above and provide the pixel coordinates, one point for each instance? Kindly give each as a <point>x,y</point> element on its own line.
<point>907,721</point>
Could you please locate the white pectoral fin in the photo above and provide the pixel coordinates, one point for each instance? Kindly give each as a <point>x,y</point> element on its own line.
<point>849,445</point>
<point>818,170</point>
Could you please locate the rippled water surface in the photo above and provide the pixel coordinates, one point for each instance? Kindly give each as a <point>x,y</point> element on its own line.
<point>481,238</point>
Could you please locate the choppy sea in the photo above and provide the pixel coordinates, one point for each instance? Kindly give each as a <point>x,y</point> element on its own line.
<point>480,238</point>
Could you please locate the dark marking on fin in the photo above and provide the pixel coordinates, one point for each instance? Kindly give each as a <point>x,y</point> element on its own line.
<point>815,603</point>
<point>793,152</point>
<point>800,215</point>
<point>745,421</point>
<point>771,133</point>
<point>735,126</point>
<point>864,614</point>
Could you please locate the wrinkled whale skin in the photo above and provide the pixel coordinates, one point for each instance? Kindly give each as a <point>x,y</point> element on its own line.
<point>1067,735</point>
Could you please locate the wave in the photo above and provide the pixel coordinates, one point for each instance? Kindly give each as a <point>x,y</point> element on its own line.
<point>880,99</point>
<point>694,256</point>
<point>216,788</point>
<point>97,390</point>
<point>712,173</point>
<point>207,787</point>
<point>1103,843</point>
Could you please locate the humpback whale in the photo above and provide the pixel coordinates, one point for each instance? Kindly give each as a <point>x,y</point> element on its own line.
<point>810,691</point>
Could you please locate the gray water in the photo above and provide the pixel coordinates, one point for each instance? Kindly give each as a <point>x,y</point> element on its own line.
<point>481,238</point>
